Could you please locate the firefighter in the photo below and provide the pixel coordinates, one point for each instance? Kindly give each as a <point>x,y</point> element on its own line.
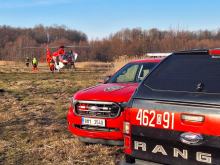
<point>34,64</point>
<point>50,60</point>
<point>74,56</point>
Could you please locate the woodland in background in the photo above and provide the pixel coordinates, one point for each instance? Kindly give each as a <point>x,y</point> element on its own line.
<point>15,42</point>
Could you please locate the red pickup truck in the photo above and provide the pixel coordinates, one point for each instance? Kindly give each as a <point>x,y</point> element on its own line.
<point>96,114</point>
<point>174,115</point>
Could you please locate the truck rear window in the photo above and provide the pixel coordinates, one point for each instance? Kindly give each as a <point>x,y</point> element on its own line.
<point>186,73</point>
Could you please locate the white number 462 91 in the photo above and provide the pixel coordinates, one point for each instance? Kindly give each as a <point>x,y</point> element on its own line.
<point>152,119</point>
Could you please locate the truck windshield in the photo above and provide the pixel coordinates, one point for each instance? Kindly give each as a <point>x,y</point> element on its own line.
<point>132,72</point>
<point>186,73</point>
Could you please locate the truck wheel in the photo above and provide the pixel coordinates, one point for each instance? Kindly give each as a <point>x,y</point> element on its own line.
<point>129,159</point>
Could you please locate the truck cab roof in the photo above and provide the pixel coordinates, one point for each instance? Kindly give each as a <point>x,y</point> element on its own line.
<point>153,60</point>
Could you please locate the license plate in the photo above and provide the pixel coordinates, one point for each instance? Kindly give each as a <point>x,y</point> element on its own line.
<point>93,122</point>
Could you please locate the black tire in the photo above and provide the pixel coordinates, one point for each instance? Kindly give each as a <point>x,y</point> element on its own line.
<point>129,159</point>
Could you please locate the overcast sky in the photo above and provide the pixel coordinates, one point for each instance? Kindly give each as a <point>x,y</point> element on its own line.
<point>99,18</point>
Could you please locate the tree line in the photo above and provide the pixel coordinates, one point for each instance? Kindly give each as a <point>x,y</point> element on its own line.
<point>18,43</point>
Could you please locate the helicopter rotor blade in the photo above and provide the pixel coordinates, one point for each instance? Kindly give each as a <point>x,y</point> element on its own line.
<point>33,47</point>
<point>75,46</point>
<point>56,47</point>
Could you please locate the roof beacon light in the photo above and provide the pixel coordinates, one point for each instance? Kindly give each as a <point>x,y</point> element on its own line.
<point>157,55</point>
<point>214,52</point>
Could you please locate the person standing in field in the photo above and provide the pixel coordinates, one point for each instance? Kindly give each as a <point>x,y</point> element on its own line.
<point>34,64</point>
<point>50,60</point>
<point>27,61</point>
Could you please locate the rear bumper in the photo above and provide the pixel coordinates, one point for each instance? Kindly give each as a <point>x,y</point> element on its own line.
<point>138,162</point>
<point>164,146</point>
<point>114,136</point>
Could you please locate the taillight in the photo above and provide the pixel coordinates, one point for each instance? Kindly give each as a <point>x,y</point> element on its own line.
<point>192,118</point>
<point>127,132</point>
<point>126,123</point>
<point>127,144</point>
<point>126,128</point>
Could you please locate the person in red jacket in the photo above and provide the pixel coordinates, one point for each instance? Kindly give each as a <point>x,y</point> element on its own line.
<point>50,60</point>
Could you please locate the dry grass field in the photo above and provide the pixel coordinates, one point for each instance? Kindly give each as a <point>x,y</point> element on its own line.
<point>33,107</point>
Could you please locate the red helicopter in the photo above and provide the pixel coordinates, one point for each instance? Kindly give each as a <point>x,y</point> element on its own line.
<point>61,59</point>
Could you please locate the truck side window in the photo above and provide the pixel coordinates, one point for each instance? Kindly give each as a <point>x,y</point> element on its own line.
<point>132,72</point>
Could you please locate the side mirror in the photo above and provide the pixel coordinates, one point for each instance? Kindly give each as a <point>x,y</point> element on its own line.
<point>107,78</point>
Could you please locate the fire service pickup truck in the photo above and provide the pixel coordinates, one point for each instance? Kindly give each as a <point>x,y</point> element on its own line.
<point>174,115</point>
<point>96,114</point>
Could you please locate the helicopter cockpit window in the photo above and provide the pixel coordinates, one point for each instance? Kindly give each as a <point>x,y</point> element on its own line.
<point>65,57</point>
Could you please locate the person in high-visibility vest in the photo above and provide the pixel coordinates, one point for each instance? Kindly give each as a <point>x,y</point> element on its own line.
<point>34,64</point>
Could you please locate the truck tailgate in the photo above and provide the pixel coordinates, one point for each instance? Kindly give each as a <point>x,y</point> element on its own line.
<point>175,132</point>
